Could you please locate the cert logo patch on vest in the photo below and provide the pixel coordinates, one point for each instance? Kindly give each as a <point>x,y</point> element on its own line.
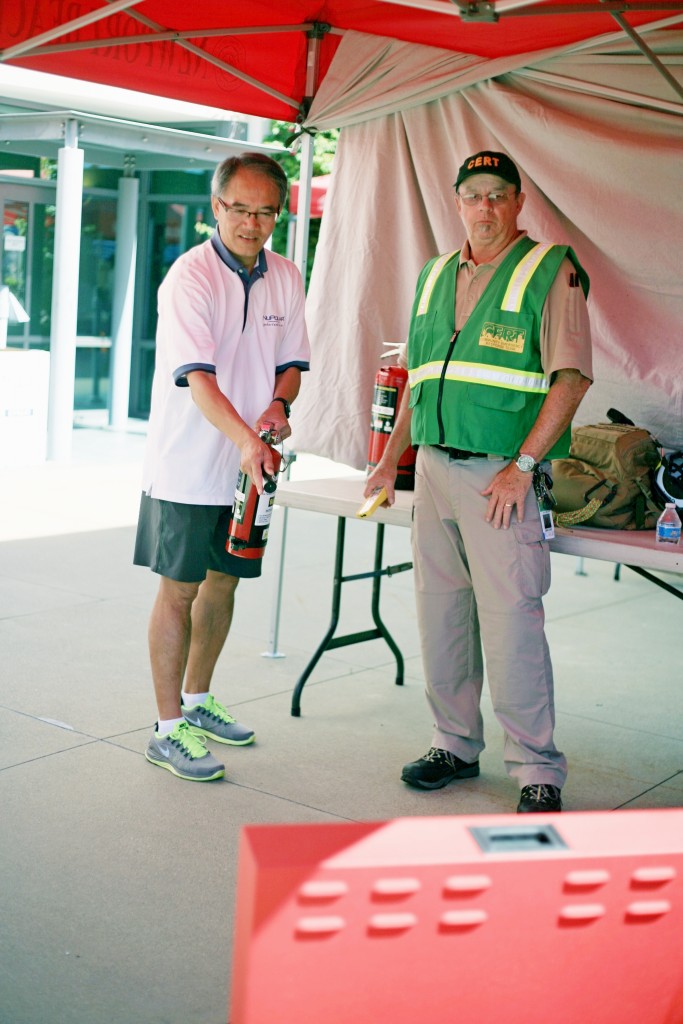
<point>510,339</point>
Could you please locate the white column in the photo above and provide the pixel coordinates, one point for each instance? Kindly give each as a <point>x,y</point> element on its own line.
<point>122,307</point>
<point>65,295</point>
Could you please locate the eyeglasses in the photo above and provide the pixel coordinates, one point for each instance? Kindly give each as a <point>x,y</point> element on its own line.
<point>238,212</point>
<point>495,198</point>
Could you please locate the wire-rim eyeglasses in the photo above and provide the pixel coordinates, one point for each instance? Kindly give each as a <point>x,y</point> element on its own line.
<point>238,212</point>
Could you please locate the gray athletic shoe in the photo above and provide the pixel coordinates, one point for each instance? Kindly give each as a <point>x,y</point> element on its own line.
<point>213,720</point>
<point>185,755</point>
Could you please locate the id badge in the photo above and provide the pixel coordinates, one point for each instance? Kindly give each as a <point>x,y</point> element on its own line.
<point>547,524</point>
<point>545,501</point>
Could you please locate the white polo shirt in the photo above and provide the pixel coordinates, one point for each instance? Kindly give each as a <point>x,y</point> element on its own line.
<point>209,320</point>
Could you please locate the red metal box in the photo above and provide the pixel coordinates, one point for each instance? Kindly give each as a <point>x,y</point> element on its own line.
<point>570,918</point>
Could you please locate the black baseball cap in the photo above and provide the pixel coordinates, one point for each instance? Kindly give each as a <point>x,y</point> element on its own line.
<point>488,162</point>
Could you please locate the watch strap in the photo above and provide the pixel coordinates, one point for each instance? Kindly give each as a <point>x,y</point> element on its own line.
<point>287,407</point>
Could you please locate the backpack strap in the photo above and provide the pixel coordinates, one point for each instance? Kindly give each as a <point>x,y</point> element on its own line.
<point>644,501</point>
<point>579,515</point>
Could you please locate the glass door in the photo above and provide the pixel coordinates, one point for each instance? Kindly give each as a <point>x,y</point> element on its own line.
<point>26,262</point>
<point>171,228</point>
<point>28,224</point>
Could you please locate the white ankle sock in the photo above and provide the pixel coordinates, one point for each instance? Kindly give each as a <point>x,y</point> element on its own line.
<point>165,726</point>
<point>191,699</point>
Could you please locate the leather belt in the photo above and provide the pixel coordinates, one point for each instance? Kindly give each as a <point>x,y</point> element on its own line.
<point>459,453</point>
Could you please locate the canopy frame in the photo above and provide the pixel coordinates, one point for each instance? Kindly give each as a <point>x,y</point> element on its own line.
<point>468,11</point>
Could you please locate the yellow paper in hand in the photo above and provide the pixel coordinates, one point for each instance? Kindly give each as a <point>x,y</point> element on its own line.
<point>372,503</point>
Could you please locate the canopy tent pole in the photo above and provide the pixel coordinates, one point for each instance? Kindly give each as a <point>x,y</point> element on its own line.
<point>489,11</point>
<point>647,52</point>
<point>65,294</point>
<point>35,42</point>
<point>124,294</point>
<point>301,261</point>
<point>306,141</point>
<point>303,217</point>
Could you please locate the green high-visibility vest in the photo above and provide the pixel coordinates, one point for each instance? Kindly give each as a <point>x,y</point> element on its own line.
<point>482,390</point>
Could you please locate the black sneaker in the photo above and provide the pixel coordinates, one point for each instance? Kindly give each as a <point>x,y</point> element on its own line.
<point>436,769</point>
<point>539,798</point>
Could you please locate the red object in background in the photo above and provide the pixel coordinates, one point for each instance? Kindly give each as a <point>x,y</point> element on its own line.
<point>319,186</point>
<point>566,918</point>
<point>390,383</point>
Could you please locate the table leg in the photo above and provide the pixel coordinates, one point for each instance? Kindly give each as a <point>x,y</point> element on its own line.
<point>330,641</point>
<point>336,603</point>
<point>376,618</point>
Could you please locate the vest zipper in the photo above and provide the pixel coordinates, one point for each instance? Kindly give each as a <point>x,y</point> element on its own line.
<point>439,417</point>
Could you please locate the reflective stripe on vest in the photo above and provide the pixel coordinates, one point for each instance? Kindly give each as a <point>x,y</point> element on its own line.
<point>482,373</point>
<point>428,286</point>
<point>522,274</point>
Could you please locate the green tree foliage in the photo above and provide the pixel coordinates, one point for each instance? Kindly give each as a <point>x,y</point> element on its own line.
<point>324,148</point>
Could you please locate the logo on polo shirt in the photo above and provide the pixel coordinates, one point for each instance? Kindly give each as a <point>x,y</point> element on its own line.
<point>272,320</point>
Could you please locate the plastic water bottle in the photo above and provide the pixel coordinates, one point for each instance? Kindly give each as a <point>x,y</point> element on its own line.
<point>668,525</point>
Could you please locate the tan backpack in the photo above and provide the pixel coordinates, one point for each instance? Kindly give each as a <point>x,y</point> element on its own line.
<point>607,479</point>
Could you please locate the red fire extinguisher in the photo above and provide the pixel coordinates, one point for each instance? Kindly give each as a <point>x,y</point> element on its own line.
<point>251,511</point>
<point>390,383</point>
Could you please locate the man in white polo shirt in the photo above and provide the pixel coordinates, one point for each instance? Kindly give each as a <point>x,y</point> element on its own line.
<point>231,345</point>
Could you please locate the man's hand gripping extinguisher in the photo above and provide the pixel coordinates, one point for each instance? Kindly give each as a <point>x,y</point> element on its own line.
<point>251,511</point>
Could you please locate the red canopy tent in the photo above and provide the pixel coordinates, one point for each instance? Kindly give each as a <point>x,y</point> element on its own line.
<point>254,57</point>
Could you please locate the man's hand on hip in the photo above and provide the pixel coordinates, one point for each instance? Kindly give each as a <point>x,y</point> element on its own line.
<point>506,492</point>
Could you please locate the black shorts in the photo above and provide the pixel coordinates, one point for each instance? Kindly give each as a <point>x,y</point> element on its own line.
<point>182,542</point>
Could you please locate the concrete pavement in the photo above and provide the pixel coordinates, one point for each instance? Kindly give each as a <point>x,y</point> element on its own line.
<point>118,879</point>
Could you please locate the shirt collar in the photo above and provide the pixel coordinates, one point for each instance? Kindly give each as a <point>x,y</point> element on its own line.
<point>466,252</point>
<point>260,267</point>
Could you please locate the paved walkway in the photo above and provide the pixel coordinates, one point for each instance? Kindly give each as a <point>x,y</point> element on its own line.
<point>117,879</point>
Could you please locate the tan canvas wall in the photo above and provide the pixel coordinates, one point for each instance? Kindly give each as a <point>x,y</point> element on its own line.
<point>598,138</point>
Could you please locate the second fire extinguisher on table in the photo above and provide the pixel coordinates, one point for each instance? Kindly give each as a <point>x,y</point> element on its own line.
<point>390,383</point>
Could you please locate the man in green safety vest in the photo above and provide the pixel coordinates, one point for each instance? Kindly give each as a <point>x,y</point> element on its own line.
<point>498,358</point>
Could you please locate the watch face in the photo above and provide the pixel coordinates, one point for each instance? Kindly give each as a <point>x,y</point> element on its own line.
<point>526,463</point>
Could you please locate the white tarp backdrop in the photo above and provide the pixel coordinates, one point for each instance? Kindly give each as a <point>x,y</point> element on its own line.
<point>598,137</point>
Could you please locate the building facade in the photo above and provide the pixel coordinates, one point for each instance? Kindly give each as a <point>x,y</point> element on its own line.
<point>170,211</point>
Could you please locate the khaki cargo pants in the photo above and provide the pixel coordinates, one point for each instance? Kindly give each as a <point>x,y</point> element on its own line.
<point>477,587</point>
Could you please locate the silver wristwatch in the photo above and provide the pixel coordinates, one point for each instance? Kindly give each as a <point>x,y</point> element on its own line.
<point>526,463</point>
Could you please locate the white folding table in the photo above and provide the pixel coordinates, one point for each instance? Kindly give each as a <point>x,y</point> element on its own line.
<point>342,497</point>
